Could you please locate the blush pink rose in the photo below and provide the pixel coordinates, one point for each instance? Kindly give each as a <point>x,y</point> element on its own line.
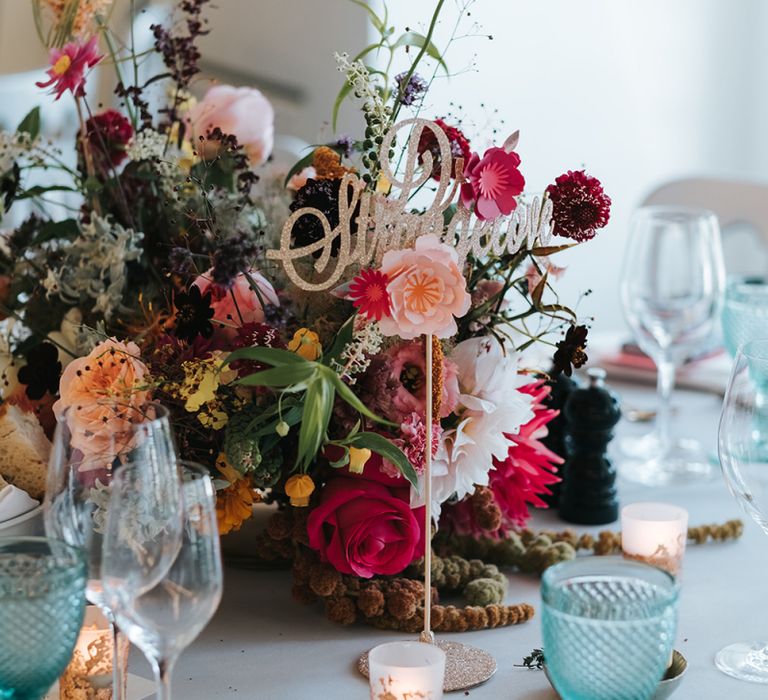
<point>238,305</point>
<point>426,289</point>
<point>243,112</point>
<point>104,392</point>
<point>363,528</point>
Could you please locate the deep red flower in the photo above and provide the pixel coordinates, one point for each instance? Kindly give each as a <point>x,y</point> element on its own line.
<point>368,292</point>
<point>580,205</point>
<point>255,335</point>
<point>519,480</point>
<point>108,135</point>
<point>428,142</point>
<point>68,66</point>
<point>492,183</point>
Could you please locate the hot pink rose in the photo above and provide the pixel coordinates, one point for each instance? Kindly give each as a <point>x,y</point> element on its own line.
<point>238,305</point>
<point>243,112</point>
<point>426,290</point>
<point>364,528</point>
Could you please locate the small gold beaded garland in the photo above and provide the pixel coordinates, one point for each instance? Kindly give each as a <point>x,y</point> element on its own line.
<point>385,223</point>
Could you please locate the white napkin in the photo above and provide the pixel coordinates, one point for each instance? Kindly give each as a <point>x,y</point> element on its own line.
<point>15,502</point>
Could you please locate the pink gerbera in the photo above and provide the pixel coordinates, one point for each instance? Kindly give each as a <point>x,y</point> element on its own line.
<point>368,292</point>
<point>492,183</point>
<point>68,66</point>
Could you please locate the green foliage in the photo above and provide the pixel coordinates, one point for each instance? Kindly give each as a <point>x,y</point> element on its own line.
<point>314,388</point>
<point>31,123</point>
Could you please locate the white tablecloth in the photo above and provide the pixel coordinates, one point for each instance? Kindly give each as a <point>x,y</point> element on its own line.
<point>261,644</point>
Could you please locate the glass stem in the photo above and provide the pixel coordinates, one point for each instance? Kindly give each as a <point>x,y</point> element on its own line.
<point>118,669</point>
<point>163,673</point>
<point>665,384</point>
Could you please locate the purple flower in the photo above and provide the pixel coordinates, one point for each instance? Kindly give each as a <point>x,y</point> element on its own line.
<point>409,92</point>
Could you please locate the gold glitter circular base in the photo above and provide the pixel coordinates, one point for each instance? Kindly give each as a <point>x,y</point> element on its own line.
<point>465,666</point>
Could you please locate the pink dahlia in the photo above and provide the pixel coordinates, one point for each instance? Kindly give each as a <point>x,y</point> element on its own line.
<point>580,205</point>
<point>492,183</point>
<point>428,143</point>
<point>68,66</point>
<point>519,480</point>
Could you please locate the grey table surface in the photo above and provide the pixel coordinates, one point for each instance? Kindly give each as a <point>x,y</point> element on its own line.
<point>262,644</point>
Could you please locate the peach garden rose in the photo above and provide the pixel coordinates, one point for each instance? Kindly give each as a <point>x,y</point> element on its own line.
<point>426,288</point>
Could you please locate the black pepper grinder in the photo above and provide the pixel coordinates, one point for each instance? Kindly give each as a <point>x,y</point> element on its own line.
<point>561,388</point>
<point>588,492</point>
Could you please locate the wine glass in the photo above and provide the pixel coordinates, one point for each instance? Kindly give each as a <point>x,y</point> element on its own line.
<point>162,620</point>
<point>742,442</point>
<point>79,479</point>
<point>671,292</point>
<point>42,604</point>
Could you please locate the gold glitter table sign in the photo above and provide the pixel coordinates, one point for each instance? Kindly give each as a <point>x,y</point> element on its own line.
<point>465,666</point>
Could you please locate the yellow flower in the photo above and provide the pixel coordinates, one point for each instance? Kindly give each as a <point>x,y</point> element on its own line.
<point>299,488</point>
<point>306,343</point>
<point>201,380</point>
<point>234,504</point>
<point>213,417</point>
<point>62,65</point>
<point>358,456</point>
<point>383,185</point>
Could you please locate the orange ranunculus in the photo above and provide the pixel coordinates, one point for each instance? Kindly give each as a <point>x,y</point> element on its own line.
<point>234,504</point>
<point>105,391</point>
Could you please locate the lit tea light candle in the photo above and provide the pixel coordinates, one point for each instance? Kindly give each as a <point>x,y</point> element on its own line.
<point>655,533</point>
<point>406,671</point>
<point>89,674</point>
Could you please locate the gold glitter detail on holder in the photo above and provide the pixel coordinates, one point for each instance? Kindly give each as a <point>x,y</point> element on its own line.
<point>465,666</point>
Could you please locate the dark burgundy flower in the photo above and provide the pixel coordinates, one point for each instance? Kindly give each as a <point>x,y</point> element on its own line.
<point>324,196</point>
<point>255,335</point>
<point>570,351</point>
<point>193,314</point>
<point>580,205</point>
<point>108,135</point>
<point>42,372</point>
<point>428,142</point>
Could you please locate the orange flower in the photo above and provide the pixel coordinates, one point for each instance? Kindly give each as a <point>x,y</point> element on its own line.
<point>234,504</point>
<point>106,391</point>
<point>306,344</point>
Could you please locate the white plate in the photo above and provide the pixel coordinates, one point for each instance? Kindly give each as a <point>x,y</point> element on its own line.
<point>28,528</point>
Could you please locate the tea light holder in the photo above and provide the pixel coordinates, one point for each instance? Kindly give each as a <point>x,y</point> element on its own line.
<point>89,674</point>
<point>655,533</point>
<point>406,671</point>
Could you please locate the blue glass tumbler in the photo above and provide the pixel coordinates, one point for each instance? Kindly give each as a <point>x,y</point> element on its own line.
<point>608,626</point>
<point>42,603</point>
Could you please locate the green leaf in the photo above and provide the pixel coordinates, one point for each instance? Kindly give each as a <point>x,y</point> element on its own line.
<point>376,21</point>
<point>554,308</point>
<point>366,51</point>
<point>318,407</point>
<point>380,445</point>
<point>53,230</point>
<point>419,41</point>
<point>345,90</point>
<point>289,377</point>
<point>301,164</point>
<point>270,356</point>
<point>342,339</point>
<point>538,291</point>
<point>31,123</point>
<point>551,249</point>
<point>37,190</point>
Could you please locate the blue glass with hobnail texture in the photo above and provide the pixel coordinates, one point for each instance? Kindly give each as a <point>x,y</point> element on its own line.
<point>745,311</point>
<point>608,626</point>
<point>42,603</point>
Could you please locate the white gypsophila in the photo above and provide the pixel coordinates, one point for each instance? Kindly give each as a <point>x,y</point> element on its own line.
<point>94,266</point>
<point>490,405</point>
<point>356,356</point>
<point>154,147</point>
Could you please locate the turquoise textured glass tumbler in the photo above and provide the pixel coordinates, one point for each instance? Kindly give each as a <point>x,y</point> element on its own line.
<point>745,312</point>
<point>42,603</point>
<point>608,626</point>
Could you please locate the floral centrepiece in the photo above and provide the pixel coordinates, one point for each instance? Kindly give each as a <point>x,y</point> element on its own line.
<point>283,312</point>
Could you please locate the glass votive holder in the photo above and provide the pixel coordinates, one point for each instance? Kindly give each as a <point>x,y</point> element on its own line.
<point>608,627</point>
<point>406,670</point>
<point>89,674</point>
<point>655,533</point>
